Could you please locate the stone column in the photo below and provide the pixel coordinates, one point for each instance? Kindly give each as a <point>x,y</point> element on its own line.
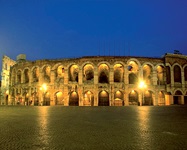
<point>154,79</point>
<point>96,95</point>
<point>182,99</point>
<point>52,77</point>
<point>126,99</point>
<point>95,76</point>
<point>172,78</point>
<point>126,74</point>
<point>183,80</point>
<point>80,93</point>
<point>66,77</point>
<point>66,96</point>
<point>80,77</point>
<point>155,99</point>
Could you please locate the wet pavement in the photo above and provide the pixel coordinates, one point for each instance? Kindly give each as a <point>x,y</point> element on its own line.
<point>91,128</point>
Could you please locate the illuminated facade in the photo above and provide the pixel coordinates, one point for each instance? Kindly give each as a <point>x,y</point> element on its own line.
<point>95,81</point>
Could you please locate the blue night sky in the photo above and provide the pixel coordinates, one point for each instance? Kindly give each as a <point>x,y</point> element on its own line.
<point>50,29</point>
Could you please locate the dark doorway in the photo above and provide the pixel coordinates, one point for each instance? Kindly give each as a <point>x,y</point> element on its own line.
<point>175,100</point>
<point>103,98</point>
<point>185,100</point>
<point>74,99</point>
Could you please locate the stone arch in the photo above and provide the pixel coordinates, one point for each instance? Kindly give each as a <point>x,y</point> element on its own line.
<point>133,98</point>
<point>88,73</point>
<point>59,73</point>
<point>59,98</point>
<point>161,98</point>
<point>185,98</point>
<point>19,76</point>
<point>26,73</point>
<point>13,76</point>
<point>177,73</point>
<point>35,96</point>
<point>168,74</point>
<point>118,98</point>
<point>147,98</point>
<point>103,98</point>
<point>118,72</point>
<point>46,100</point>
<point>56,66</point>
<point>46,73</point>
<point>147,73</point>
<point>177,97</point>
<point>133,79</point>
<point>185,73</point>
<point>35,74</point>
<point>178,91</point>
<point>73,73</point>
<point>103,73</point>
<point>134,63</point>
<point>88,98</point>
<point>160,74</point>
<point>133,67</point>
<point>74,99</point>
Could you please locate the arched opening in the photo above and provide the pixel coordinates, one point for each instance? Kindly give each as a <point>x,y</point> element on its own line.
<point>19,77</point>
<point>35,74</point>
<point>185,74</point>
<point>133,79</point>
<point>118,98</point>
<point>35,98</point>
<point>73,73</point>
<point>74,99</point>
<point>147,98</point>
<point>103,73</point>
<point>46,101</point>
<point>168,75</point>
<point>26,76</point>
<point>103,98</point>
<point>177,74</point>
<point>60,74</point>
<point>185,99</point>
<point>177,98</point>
<point>88,99</point>
<point>26,97</point>
<point>160,75</point>
<point>88,73</point>
<point>133,98</point>
<point>147,74</point>
<point>161,98</point>
<point>59,98</point>
<point>13,77</point>
<point>47,72</point>
<point>133,70</point>
<point>118,73</point>
<point>6,101</point>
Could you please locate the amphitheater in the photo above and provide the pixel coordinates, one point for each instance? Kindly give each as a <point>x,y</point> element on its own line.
<point>95,81</point>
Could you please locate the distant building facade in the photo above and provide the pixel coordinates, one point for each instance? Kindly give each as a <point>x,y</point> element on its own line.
<point>95,81</point>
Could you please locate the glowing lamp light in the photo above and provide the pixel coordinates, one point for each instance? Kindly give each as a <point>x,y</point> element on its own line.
<point>142,85</point>
<point>44,87</point>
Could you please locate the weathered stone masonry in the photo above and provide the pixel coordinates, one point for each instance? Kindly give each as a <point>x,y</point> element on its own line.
<point>95,81</point>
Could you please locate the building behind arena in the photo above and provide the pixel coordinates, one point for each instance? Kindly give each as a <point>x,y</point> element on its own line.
<point>95,81</point>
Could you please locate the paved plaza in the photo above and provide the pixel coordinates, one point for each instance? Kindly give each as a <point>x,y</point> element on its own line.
<point>92,128</point>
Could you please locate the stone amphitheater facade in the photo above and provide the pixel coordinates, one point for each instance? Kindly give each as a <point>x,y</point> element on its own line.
<point>95,81</point>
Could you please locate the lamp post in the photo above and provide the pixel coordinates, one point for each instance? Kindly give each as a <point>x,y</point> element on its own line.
<point>142,86</point>
<point>43,88</point>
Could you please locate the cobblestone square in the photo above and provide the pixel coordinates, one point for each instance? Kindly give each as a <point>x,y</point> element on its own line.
<point>110,128</point>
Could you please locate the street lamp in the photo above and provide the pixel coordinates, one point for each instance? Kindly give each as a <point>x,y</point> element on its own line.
<point>44,89</point>
<point>142,86</point>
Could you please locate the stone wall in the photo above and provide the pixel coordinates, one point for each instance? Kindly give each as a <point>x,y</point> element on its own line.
<point>98,81</point>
